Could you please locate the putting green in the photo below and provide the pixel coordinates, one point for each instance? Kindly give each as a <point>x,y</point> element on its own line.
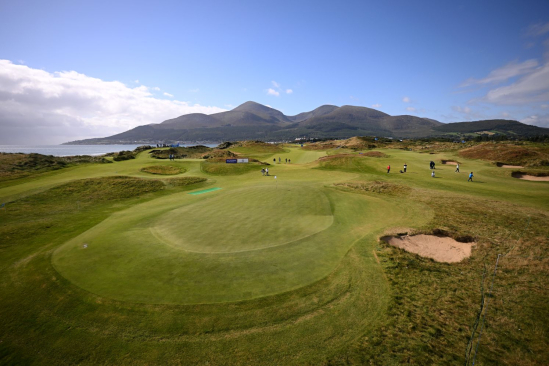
<point>246,219</point>
<point>229,245</point>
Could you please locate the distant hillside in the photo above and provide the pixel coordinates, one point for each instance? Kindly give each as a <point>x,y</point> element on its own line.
<point>254,121</point>
<point>501,126</point>
<point>320,111</point>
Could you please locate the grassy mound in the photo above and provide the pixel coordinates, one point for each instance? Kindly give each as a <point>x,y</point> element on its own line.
<point>162,170</point>
<point>123,155</point>
<point>222,168</point>
<point>184,181</point>
<point>13,166</point>
<point>507,153</point>
<point>375,187</point>
<point>219,154</point>
<point>374,154</point>
<point>256,148</point>
<point>346,162</point>
<point>191,152</point>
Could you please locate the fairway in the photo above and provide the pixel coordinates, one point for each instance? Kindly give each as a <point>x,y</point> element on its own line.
<point>223,264</point>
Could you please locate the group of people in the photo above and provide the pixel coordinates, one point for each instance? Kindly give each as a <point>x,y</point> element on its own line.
<point>280,160</point>
<point>172,157</point>
<point>432,167</point>
<point>265,171</point>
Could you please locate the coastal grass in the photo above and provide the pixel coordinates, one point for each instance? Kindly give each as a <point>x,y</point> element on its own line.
<point>105,264</point>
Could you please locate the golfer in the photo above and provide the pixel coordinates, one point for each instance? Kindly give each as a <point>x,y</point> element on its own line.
<point>388,169</point>
<point>433,174</point>
<point>405,167</point>
<point>470,177</point>
<point>457,168</point>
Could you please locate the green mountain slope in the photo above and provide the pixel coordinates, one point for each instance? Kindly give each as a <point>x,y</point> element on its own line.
<point>254,121</point>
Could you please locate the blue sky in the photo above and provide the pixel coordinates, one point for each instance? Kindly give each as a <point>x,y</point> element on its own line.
<point>75,69</point>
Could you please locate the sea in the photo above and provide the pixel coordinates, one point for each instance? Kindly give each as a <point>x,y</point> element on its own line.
<point>71,150</point>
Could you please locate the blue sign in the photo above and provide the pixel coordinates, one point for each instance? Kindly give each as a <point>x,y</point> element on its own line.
<point>231,161</point>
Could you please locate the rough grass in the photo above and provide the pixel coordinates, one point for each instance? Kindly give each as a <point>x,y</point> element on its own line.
<point>183,181</point>
<point>376,186</point>
<point>256,147</point>
<point>194,152</point>
<point>13,166</point>
<point>434,306</point>
<point>162,170</point>
<point>513,154</point>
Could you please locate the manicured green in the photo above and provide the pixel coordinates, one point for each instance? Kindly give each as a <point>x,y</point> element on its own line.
<point>106,264</point>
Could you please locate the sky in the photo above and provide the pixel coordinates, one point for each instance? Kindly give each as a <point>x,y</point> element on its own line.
<point>80,69</point>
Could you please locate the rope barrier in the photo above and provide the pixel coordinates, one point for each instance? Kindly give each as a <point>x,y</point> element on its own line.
<point>484,303</point>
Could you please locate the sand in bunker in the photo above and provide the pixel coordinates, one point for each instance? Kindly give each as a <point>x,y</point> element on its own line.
<point>441,249</point>
<point>511,166</point>
<point>446,162</point>
<point>531,177</point>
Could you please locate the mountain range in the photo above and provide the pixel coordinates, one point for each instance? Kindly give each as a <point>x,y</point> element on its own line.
<point>254,121</point>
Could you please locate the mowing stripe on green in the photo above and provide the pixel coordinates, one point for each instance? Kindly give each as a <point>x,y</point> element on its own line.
<point>204,191</point>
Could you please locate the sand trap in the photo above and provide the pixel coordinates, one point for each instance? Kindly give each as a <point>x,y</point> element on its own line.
<point>448,162</point>
<point>501,165</point>
<point>531,177</point>
<point>441,249</point>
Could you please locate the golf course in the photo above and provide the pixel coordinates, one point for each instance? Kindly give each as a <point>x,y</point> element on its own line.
<point>194,261</point>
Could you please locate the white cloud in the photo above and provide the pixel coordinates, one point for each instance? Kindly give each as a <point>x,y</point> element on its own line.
<point>275,84</point>
<point>503,74</point>
<point>531,88</point>
<point>465,110</point>
<point>537,120</point>
<point>410,109</point>
<point>289,91</point>
<point>272,92</point>
<point>544,106</point>
<point>41,107</point>
<point>538,29</point>
<point>406,100</point>
<point>136,81</point>
<point>377,105</point>
<point>194,90</point>
<point>505,114</point>
<point>156,88</point>
<point>168,95</point>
